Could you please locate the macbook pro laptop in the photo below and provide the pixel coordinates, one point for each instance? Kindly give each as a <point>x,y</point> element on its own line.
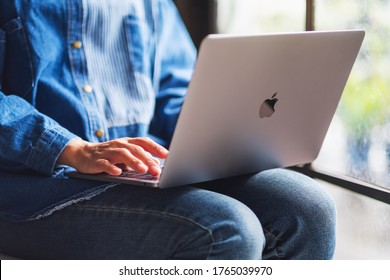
<point>254,103</point>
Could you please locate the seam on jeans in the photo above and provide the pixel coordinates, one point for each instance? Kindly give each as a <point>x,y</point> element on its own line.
<point>47,211</point>
<point>274,237</point>
<point>157,213</point>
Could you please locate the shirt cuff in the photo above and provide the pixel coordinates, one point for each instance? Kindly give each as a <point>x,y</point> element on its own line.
<point>48,148</point>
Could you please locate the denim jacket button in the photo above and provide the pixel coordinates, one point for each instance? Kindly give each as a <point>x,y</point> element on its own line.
<point>77,44</point>
<point>87,88</point>
<point>99,133</point>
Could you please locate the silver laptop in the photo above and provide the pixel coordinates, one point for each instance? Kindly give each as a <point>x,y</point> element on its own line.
<point>254,103</point>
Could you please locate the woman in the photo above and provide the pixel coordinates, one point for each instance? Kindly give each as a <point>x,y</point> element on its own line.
<point>88,84</point>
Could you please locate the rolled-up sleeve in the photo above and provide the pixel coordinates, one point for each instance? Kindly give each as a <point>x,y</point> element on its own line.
<point>29,139</point>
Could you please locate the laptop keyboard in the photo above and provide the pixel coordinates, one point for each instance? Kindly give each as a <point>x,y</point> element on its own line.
<point>135,175</point>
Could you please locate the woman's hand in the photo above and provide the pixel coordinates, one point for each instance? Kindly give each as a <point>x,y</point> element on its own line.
<point>92,158</point>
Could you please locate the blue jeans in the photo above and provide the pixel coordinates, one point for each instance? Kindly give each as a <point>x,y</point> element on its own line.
<point>275,214</point>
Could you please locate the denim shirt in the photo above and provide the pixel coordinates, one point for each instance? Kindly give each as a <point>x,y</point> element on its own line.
<point>47,95</point>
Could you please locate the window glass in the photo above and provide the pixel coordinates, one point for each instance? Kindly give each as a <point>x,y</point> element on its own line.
<point>363,228</point>
<point>254,16</point>
<point>358,143</point>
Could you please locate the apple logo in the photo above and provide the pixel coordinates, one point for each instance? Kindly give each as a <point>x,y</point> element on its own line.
<point>267,108</point>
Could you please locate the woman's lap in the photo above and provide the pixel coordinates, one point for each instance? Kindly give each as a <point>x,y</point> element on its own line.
<point>215,220</point>
<point>130,222</point>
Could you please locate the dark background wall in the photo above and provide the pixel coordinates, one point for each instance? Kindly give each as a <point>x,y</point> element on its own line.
<point>199,17</point>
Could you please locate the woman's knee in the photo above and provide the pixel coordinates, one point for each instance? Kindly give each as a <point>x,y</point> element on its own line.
<point>309,200</point>
<point>309,213</point>
<point>236,233</point>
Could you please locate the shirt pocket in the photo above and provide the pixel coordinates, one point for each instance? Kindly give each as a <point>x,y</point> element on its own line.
<point>138,36</point>
<point>15,59</point>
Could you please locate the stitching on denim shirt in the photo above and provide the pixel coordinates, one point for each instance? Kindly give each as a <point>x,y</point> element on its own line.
<point>12,27</point>
<point>75,16</point>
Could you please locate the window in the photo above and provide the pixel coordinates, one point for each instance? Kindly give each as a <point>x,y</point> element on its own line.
<point>358,142</point>
<point>254,16</point>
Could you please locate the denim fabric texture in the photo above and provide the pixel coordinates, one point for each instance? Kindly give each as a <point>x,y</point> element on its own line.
<point>43,101</point>
<point>276,214</point>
